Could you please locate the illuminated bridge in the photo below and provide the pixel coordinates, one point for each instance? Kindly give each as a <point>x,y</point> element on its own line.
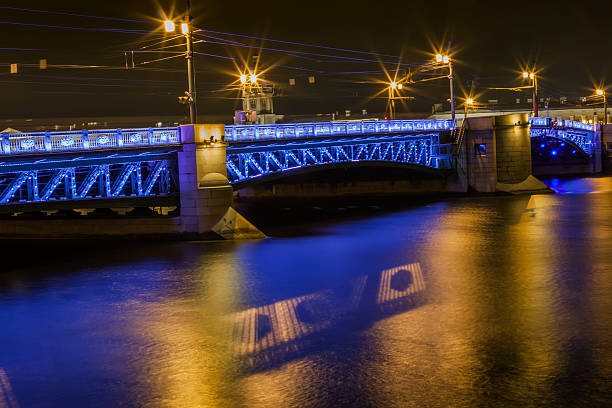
<point>196,168</point>
<point>52,167</point>
<point>257,151</point>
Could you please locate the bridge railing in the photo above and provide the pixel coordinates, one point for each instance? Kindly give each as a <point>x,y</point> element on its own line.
<point>240,133</point>
<point>564,123</point>
<point>39,142</point>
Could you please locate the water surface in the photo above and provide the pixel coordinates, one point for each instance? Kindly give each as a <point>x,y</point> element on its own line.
<point>482,301</point>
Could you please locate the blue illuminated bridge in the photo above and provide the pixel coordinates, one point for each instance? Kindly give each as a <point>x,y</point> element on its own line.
<point>139,166</point>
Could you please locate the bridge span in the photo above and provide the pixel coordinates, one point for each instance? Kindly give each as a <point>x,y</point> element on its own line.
<point>193,170</point>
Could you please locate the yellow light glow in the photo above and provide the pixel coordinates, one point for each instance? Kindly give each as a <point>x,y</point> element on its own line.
<point>393,85</point>
<point>531,76</point>
<point>525,75</point>
<point>400,86</point>
<point>439,58</point>
<point>169,26</point>
<point>446,59</point>
<point>243,78</point>
<point>253,78</point>
<point>469,101</point>
<point>184,28</point>
<point>599,92</point>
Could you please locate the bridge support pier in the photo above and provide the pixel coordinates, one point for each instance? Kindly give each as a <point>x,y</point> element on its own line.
<point>206,196</point>
<point>498,155</point>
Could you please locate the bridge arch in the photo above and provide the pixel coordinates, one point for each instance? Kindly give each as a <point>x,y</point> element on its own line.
<point>259,160</point>
<point>323,170</point>
<point>583,141</point>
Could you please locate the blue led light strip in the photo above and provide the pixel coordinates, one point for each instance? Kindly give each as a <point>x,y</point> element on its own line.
<point>40,142</point>
<point>247,164</point>
<point>88,182</point>
<point>241,133</point>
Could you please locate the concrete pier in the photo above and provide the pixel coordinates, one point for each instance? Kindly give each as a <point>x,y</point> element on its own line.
<point>498,155</point>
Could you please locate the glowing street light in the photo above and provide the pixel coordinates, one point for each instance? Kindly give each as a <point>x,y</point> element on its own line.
<point>169,26</point>
<point>602,93</point>
<point>393,86</point>
<point>253,78</point>
<point>243,78</point>
<point>534,86</point>
<point>468,103</point>
<point>445,59</point>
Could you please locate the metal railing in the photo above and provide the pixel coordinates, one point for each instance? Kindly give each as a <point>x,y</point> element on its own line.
<point>40,142</point>
<point>239,133</point>
<point>561,123</point>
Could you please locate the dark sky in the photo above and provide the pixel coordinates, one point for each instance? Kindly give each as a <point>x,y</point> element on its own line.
<point>491,40</point>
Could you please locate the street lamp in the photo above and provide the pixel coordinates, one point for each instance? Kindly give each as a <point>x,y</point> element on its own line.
<point>468,102</point>
<point>602,93</point>
<point>534,87</point>
<point>169,26</point>
<point>392,87</point>
<point>445,59</point>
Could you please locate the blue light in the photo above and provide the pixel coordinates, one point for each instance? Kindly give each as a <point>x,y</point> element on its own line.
<point>18,143</point>
<point>573,152</point>
<point>542,145</point>
<point>562,144</point>
<point>235,133</point>
<point>554,152</point>
<point>254,161</point>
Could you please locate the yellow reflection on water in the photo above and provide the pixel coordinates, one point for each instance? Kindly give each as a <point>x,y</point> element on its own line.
<point>188,361</point>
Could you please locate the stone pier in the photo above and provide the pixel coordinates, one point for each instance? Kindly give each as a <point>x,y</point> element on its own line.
<point>498,155</point>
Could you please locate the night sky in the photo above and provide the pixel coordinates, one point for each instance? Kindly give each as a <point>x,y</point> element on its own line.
<point>491,42</point>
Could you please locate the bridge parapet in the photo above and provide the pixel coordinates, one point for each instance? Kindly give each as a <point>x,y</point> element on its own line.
<point>561,123</point>
<point>86,140</point>
<point>582,135</point>
<point>242,133</point>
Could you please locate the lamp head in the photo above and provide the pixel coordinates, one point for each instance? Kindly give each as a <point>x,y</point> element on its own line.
<point>169,26</point>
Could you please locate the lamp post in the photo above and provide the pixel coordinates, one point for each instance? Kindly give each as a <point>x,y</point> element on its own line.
<point>602,93</point>
<point>186,31</point>
<point>468,102</point>
<point>534,87</point>
<point>248,82</point>
<point>445,59</point>
<point>392,87</point>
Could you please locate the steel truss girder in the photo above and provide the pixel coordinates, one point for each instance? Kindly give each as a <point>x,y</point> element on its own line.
<point>244,165</point>
<point>111,180</point>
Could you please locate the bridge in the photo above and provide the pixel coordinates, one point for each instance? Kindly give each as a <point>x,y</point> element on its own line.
<point>196,168</point>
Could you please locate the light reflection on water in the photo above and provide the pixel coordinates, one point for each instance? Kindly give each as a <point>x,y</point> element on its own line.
<point>506,303</point>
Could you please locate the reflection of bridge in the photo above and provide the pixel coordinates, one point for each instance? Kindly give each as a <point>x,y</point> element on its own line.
<point>193,167</point>
<point>266,334</point>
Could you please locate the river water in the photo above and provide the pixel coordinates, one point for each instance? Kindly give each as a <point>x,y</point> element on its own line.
<point>463,302</point>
